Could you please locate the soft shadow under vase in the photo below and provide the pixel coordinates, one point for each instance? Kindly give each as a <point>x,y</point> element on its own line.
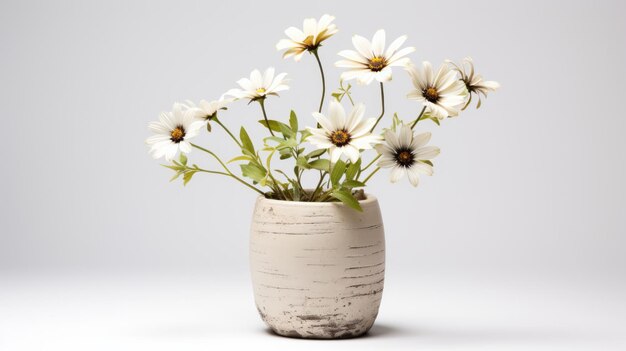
<point>317,268</point>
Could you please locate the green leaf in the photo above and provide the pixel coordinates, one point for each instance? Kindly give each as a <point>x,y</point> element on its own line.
<point>246,143</point>
<point>296,190</point>
<point>396,121</point>
<point>293,121</point>
<point>273,138</point>
<point>175,167</point>
<point>345,196</point>
<point>183,159</point>
<point>175,176</point>
<point>187,177</point>
<point>353,184</point>
<point>432,118</point>
<point>240,158</point>
<point>352,169</point>
<point>287,144</point>
<point>286,131</point>
<point>337,172</point>
<point>302,163</point>
<point>285,153</point>
<point>321,164</point>
<point>304,135</point>
<point>253,171</point>
<point>273,125</point>
<point>316,153</point>
<point>248,153</point>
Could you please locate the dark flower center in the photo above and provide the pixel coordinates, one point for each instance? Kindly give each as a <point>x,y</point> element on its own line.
<point>340,137</point>
<point>377,63</point>
<point>309,44</point>
<point>404,157</point>
<point>468,85</point>
<point>431,94</point>
<point>178,134</point>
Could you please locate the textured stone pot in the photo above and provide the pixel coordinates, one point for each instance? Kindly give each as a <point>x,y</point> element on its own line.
<point>317,268</point>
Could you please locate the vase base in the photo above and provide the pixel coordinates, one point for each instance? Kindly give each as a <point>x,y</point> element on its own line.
<point>325,332</point>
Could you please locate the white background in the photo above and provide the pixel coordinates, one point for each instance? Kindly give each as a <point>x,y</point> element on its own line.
<point>516,242</point>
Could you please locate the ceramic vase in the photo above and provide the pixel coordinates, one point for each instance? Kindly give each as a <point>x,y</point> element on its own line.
<point>318,269</point>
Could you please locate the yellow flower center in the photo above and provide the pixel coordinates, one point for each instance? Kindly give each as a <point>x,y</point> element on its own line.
<point>404,157</point>
<point>377,63</point>
<point>340,137</point>
<point>431,94</point>
<point>261,90</point>
<point>178,134</point>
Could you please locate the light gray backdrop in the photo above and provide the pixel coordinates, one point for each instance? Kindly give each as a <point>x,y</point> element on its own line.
<point>531,186</point>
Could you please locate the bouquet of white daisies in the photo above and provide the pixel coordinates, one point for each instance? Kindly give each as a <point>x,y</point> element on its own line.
<point>334,147</point>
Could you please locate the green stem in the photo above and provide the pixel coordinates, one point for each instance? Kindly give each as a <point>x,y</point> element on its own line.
<point>277,190</point>
<point>319,63</point>
<point>299,180</point>
<point>350,98</point>
<point>382,113</point>
<point>267,122</point>
<point>277,187</point>
<point>326,196</point>
<point>418,117</point>
<point>228,170</point>
<point>212,172</point>
<point>227,131</point>
<point>371,163</point>
<point>371,174</point>
<point>317,187</point>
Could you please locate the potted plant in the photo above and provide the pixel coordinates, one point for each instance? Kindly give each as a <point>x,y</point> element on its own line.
<point>317,251</point>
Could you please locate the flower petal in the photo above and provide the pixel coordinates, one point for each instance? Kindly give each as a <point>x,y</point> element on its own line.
<point>352,56</point>
<point>414,178</point>
<point>423,168</point>
<point>363,46</point>
<point>336,115</point>
<point>427,152</point>
<point>405,136</point>
<point>352,153</point>
<point>394,46</point>
<point>378,43</point>
<point>256,79</point>
<point>335,154</point>
<point>324,122</point>
<point>384,75</point>
<point>295,34</point>
<point>268,77</point>
<point>420,140</point>
<point>397,172</point>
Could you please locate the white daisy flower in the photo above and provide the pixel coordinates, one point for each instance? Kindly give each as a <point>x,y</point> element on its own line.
<point>343,135</point>
<point>474,82</point>
<point>208,110</point>
<point>370,60</point>
<point>405,153</point>
<point>443,94</point>
<point>311,36</point>
<point>172,132</point>
<point>260,85</point>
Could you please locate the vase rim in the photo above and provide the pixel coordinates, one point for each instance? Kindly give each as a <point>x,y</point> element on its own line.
<point>369,198</point>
